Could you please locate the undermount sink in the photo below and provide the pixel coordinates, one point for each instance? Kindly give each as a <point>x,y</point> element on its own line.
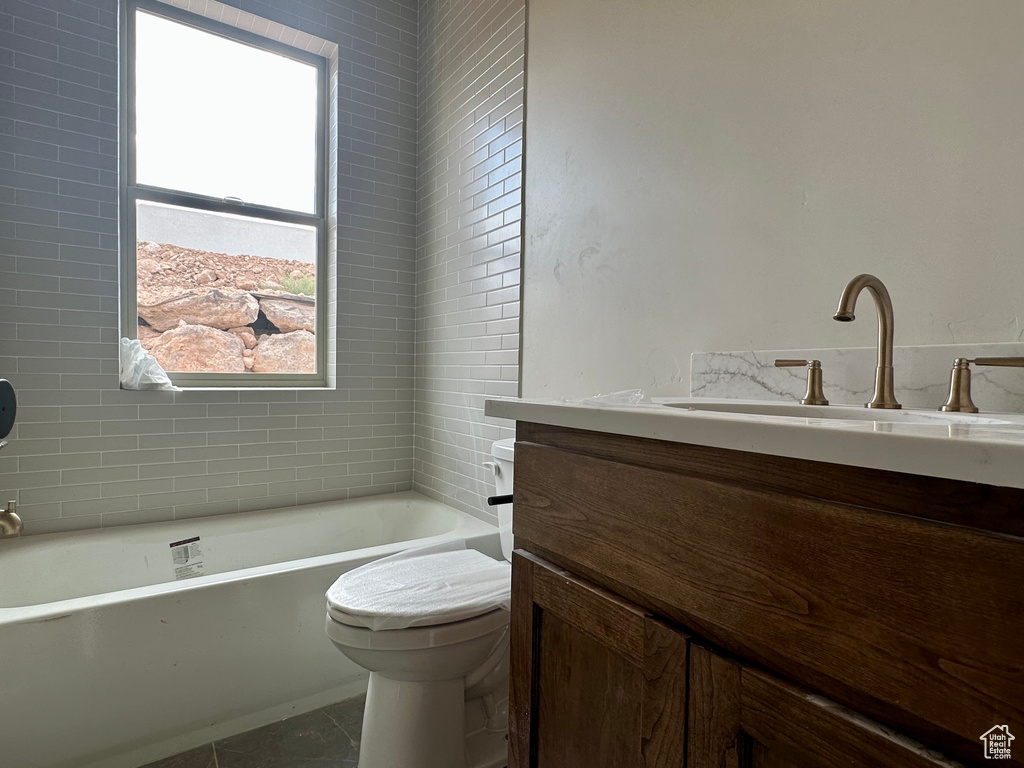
<point>840,412</point>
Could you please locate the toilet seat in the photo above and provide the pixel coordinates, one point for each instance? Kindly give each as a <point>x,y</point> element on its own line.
<point>420,590</point>
<point>416,638</point>
<point>363,622</point>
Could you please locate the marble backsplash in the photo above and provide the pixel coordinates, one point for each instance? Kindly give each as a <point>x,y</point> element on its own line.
<point>921,375</point>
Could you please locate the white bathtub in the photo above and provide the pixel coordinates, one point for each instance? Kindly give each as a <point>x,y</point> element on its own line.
<point>107,661</point>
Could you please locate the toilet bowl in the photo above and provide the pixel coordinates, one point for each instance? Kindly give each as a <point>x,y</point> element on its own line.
<point>431,627</point>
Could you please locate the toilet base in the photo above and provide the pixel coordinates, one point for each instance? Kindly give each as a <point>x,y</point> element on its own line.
<point>431,716</point>
<point>427,725</point>
<point>487,730</point>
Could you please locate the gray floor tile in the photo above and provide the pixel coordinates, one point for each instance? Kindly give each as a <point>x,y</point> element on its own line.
<point>200,757</point>
<point>324,738</point>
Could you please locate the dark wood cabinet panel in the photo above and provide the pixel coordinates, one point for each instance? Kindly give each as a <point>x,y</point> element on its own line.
<point>916,623</point>
<point>713,726</point>
<point>740,716</point>
<point>666,686</point>
<point>760,757</point>
<point>595,680</point>
<point>588,700</point>
<point>789,721</point>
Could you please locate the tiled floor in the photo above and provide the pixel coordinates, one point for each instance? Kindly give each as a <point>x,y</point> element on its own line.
<point>324,738</point>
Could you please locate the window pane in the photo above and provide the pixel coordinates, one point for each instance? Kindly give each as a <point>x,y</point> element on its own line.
<point>219,293</point>
<point>218,117</point>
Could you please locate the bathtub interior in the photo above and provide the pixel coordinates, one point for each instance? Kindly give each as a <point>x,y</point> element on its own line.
<point>55,567</point>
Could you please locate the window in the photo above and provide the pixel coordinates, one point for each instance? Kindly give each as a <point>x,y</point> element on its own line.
<point>223,201</point>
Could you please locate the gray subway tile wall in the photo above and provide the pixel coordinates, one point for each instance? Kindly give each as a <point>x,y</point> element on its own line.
<point>468,240</point>
<point>86,454</point>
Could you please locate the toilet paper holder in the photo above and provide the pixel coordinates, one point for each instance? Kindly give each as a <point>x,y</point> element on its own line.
<point>8,409</point>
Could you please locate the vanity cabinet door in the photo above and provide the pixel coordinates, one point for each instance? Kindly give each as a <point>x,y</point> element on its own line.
<point>595,681</point>
<point>740,717</point>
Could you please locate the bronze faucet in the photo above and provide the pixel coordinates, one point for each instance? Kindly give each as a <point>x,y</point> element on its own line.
<point>885,396</point>
<point>10,523</point>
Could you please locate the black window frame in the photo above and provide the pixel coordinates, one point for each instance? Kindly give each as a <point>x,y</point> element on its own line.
<point>133,192</point>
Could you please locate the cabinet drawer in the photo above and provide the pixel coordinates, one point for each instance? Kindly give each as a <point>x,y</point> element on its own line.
<point>740,716</point>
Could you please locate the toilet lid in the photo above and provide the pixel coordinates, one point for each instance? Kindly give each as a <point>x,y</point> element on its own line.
<point>416,590</point>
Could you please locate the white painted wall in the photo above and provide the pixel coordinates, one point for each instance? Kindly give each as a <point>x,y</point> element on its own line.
<point>708,174</point>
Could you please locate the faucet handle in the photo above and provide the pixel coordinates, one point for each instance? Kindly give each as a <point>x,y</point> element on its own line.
<point>1014,362</point>
<point>814,394</point>
<point>959,399</point>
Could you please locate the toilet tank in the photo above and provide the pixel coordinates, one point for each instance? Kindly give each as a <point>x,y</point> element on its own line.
<point>503,452</point>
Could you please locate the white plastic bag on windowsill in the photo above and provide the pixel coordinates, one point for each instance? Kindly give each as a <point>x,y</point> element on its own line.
<point>139,369</point>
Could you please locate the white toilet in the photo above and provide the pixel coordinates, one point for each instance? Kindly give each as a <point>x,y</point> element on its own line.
<point>432,629</point>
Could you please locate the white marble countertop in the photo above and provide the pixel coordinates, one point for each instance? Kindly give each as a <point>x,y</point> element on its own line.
<point>983,448</point>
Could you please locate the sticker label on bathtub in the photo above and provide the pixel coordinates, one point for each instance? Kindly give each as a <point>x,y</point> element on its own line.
<point>187,558</point>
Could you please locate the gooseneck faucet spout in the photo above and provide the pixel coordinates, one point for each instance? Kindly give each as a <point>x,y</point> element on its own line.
<point>885,395</point>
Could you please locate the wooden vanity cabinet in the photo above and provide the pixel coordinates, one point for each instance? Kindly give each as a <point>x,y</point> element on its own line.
<point>676,605</point>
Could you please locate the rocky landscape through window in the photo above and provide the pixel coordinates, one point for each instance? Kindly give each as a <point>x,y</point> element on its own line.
<point>218,313</point>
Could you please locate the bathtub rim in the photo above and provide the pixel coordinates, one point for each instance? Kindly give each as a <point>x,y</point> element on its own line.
<point>474,531</point>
